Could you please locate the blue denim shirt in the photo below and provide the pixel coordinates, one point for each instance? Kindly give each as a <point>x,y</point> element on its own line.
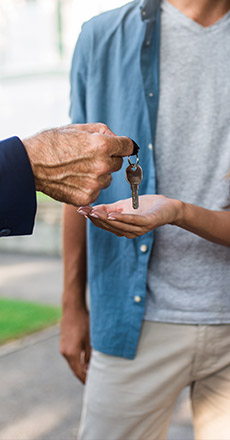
<point>115,80</point>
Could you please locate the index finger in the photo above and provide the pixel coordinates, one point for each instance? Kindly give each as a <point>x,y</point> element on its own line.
<point>96,127</point>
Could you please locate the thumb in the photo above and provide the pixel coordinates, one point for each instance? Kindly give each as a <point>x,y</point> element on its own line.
<point>122,146</point>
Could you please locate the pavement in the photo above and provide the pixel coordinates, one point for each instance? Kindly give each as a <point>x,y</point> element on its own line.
<point>40,399</point>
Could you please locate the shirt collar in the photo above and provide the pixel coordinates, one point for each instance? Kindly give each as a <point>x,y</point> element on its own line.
<point>148,9</point>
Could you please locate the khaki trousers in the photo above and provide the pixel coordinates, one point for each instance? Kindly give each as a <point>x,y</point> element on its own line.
<point>133,399</point>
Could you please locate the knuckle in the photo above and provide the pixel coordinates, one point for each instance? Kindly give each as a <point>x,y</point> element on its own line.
<point>130,236</point>
<point>108,181</point>
<point>94,185</point>
<point>99,139</point>
<point>95,195</point>
<point>63,352</point>
<point>102,167</point>
<point>91,195</point>
<point>104,145</point>
<point>86,199</point>
<point>62,348</point>
<point>95,141</point>
<point>118,163</point>
<point>102,125</point>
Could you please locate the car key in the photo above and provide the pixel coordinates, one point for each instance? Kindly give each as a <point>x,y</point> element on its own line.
<point>134,176</point>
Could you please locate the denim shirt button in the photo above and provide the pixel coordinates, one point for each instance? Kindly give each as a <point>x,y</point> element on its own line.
<point>143,248</point>
<point>150,147</point>
<point>137,299</point>
<point>151,94</point>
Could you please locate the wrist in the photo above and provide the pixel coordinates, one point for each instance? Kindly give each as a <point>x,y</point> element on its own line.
<point>42,157</point>
<point>180,208</point>
<point>32,149</point>
<point>74,304</point>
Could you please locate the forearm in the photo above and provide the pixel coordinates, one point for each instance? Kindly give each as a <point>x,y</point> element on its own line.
<point>210,225</point>
<point>75,339</point>
<point>74,256</point>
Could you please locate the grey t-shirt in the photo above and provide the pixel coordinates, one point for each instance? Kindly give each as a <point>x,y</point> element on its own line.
<point>188,277</point>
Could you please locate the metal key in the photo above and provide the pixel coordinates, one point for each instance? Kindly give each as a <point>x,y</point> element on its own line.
<point>134,176</point>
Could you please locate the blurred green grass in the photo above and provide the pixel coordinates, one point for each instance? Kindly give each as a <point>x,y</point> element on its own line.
<point>19,318</point>
<point>41,197</point>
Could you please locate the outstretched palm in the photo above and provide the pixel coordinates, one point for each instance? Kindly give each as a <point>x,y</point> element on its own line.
<point>121,219</point>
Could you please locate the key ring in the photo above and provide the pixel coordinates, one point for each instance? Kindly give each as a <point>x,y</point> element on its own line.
<point>133,165</point>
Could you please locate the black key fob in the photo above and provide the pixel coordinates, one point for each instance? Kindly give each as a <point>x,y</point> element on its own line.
<point>135,148</point>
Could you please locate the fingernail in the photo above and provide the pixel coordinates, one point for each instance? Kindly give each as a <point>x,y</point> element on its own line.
<point>93,215</point>
<point>82,211</point>
<point>110,217</point>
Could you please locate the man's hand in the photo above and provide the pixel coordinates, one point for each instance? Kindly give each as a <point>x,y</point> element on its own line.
<point>121,219</point>
<point>73,163</point>
<point>75,341</point>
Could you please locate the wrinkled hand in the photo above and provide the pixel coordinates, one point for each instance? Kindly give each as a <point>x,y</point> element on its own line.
<point>75,341</point>
<point>121,219</point>
<point>73,163</point>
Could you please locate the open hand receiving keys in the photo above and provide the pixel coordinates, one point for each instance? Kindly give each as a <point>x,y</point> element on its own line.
<point>158,210</point>
<point>122,220</point>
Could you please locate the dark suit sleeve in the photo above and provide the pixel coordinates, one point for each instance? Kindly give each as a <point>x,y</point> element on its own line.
<point>17,189</point>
